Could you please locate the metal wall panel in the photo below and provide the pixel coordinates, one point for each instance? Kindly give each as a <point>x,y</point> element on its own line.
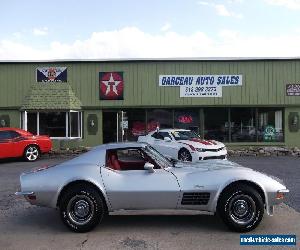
<point>264,82</point>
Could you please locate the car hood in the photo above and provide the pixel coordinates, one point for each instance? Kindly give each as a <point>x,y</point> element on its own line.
<point>210,165</point>
<point>199,143</point>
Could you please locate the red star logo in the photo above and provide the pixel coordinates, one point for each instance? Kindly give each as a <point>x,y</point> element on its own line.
<point>111,85</point>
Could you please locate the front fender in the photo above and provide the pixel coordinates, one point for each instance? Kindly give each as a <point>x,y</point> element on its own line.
<point>214,204</point>
<point>266,184</point>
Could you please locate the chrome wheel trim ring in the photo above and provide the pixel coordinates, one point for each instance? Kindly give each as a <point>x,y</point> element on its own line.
<point>80,209</point>
<point>242,209</point>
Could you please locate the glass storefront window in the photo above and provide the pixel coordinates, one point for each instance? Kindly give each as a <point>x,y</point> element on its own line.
<point>54,124</point>
<point>74,124</point>
<point>240,125</point>
<point>32,123</point>
<point>136,123</point>
<point>270,125</point>
<point>187,119</point>
<point>216,124</point>
<point>243,124</point>
<point>162,118</point>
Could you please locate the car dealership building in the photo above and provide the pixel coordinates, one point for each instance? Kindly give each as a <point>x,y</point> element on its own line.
<point>239,101</point>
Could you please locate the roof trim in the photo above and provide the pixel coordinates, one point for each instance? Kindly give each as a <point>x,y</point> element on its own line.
<point>191,59</point>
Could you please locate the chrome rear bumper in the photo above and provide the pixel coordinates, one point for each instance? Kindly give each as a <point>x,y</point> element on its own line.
<point>24,193</point>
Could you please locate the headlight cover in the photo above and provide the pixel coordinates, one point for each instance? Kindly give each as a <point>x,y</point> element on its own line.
<point>201,149</point>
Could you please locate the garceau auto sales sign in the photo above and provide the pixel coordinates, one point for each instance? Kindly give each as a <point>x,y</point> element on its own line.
<point>200,85</point>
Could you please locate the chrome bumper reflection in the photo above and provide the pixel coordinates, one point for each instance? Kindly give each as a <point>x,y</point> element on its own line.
<point>24,193</point>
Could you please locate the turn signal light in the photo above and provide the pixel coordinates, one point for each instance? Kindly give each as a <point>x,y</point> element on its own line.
<point>280,193</point>
<point>279,196</point>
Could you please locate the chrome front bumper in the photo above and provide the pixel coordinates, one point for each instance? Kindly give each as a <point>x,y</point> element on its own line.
<point>275,198</point>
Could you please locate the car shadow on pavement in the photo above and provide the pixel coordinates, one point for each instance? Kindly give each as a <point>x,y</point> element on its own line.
<point>164,222</point>
<point>8,160</point>
<point>33,219</point>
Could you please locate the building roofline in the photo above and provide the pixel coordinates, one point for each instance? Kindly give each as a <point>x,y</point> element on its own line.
<point>185,59</point>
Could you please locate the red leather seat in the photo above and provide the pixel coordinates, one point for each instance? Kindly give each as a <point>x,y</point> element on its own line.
<point>114,162</point>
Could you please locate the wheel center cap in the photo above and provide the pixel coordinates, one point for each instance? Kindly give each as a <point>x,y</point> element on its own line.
<point>241,207</point>
<point>81,208</point>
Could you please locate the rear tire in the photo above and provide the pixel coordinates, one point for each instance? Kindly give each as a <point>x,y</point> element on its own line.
<point>241,208</point>
<point>31,153</point>
<point>184,155</point>
<point>82,208</point>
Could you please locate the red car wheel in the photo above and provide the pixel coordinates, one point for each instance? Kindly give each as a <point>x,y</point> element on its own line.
<point>31,153</point>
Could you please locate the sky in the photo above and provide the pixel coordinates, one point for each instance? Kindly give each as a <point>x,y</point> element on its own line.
<point>113,29</point>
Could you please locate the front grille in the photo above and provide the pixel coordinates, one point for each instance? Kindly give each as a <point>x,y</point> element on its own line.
<point>222,157</point>
<point>213,150</point>
<point>195,198</point>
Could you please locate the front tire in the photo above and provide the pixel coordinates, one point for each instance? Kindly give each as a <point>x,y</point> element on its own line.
<point>31,153</point>
<point>184,155</point>
<point>241,208</point>
<point>82,208</point>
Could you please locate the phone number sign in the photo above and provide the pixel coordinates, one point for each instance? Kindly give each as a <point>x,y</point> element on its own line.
<point>200,85</point>
<point>199,91</point>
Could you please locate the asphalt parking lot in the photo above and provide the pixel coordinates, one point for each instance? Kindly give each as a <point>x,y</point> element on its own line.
<point>23,226</point>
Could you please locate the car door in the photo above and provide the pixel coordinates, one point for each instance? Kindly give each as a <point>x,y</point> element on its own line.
<point>133,187</point>
<point>18,143</point>
<point>6,145</point>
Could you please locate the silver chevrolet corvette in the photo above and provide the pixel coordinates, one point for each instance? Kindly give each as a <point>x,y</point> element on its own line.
<point>134,176</point>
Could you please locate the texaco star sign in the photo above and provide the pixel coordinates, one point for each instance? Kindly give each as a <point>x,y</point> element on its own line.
<point>111,85</point>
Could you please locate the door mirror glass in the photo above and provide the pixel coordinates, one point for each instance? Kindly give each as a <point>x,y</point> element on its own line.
<point>167,139</point>
<point>149,166</point>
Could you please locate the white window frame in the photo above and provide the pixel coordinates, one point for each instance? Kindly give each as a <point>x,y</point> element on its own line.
<point>79,122</point>
<point>24,123</point>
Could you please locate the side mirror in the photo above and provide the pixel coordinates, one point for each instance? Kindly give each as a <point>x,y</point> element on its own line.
<point>167,139</point>
<point>149,166</point>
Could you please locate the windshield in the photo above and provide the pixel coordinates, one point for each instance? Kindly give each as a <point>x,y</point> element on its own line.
<point>185,135</point>
<point>158,157</point>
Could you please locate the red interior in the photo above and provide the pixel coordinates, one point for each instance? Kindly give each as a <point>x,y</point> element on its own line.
<point>117,164</point>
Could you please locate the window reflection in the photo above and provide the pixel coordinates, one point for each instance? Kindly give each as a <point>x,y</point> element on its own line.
<point>162,118</point>
<point>216,124</point>
<point>243,125</point>
<point>240,125</point>
<point>270,127</point>
<point>187,119</point>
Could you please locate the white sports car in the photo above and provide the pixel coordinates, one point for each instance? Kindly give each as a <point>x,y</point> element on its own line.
<point>184,145</point>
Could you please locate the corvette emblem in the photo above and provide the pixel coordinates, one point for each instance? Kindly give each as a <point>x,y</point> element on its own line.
<point>111,85</point>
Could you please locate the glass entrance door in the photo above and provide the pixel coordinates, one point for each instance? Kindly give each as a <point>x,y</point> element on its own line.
<point>115,126</point>
<point>122,124</point>
<point>109,126</point>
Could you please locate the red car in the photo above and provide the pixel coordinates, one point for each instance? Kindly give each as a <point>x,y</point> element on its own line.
<point>16,142</point>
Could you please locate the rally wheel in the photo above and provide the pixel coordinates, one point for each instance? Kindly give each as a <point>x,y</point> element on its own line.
<point>241,208</point>
<point>82,208</point>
